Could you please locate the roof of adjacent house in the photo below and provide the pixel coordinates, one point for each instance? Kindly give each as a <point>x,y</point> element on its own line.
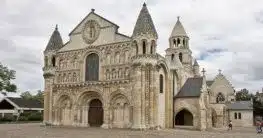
<point>191,88</point>
<point>209,83</point>
<point>240,105</point>
<point>25,103</point>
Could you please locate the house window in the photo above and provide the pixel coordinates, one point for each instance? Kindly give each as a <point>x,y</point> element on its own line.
<point>161,83</point>
<point>239,115</point>
<point>235,115</point>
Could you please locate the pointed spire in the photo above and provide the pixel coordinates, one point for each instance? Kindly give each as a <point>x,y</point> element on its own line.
<point>195,63</point>
<point>178,29</point>
<point>55,41</point>
<point>144,23</point>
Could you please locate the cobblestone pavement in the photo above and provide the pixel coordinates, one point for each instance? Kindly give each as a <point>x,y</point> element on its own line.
<point>37,131</point>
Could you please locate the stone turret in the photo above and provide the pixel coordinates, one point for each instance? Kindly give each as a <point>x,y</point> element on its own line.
<point>54,44</point>
<point>144,33</point>
<point>179,46</point>
<point>196,69</point>
<point>144,63</point>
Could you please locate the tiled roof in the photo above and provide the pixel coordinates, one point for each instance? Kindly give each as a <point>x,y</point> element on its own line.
<point>144,23</point>
<point>178,29</point>
<point>55,41</point>
<point>209,83</point>
<point>191,88</point>
<point>25,103</point>
<point>240,105</point>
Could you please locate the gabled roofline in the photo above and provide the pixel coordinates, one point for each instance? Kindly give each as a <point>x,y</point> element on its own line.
<point>11,102</point>
<point>96,15</point>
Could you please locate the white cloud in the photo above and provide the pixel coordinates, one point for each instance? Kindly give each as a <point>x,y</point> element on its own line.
<point>234,26</point>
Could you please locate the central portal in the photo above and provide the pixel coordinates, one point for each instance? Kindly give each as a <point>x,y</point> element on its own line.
<point>95,113</point>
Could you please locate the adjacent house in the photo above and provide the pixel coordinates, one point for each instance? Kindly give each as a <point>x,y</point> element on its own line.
<point>17,105</point>
<point>241,113</point>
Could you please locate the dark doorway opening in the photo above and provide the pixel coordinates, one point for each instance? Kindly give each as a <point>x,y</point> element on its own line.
<point>184,118</point>
<point>95,113</point>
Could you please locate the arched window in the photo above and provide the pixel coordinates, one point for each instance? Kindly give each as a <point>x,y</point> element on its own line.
<point>184,42</point>
<point>172,57</point>
<point>174,42</point>
<point>178,41</point>
<point>235,116</point>
<point>92,67</point>
<point>181,57</point>
<point>239,115</point>
<point>220,98</point>
<point>152,46</point>
<point>136,47</point>
<point>161,83</point>
<point>144,47</point>
<point>53,61</point>
<point>46,61</point>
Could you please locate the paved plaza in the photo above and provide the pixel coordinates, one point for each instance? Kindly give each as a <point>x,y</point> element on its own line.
<point>37,131</point>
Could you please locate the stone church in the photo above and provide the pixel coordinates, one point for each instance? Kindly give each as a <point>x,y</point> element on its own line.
<point>102,78</point>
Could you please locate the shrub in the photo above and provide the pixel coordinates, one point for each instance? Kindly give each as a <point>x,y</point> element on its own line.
<point>35,117</point>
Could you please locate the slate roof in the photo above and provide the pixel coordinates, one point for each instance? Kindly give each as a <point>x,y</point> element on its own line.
<point>55,41</point>
<point>191,88</point>
<point>209,83</point>
<point>24,103</point>
<point>144,23</point>
<point>240,105</point>
<point>178,29</point>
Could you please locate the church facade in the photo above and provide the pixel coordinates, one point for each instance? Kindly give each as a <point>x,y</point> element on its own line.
<point>103,78</point>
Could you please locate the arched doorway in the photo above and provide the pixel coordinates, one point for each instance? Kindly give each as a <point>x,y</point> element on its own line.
<point>92,67</point>
<point>184,117</point>
<point>95,115</point>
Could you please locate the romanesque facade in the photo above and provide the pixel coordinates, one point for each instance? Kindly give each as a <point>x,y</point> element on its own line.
<point>103,78</point>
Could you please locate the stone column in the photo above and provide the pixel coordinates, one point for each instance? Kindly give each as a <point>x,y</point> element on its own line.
<point>137,98</point>
<point>106,115</point>
<point>46,97</point>
<point>85,116</point>
<point>156,97</point>
<point>50,104</point>
<point>143,100</point>
<point>151,92</point>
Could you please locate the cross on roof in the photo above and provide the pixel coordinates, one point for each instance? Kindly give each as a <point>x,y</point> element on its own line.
<point>219,71</point>
<point>203,71</point>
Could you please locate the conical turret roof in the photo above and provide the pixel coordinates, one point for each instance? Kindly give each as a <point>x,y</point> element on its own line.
<point>178,29</point>
<point>195,63</point>
<point>55,41</point>
<point>144,23</point>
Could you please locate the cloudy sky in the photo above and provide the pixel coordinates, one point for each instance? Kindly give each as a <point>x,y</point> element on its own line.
<point>224,34</point>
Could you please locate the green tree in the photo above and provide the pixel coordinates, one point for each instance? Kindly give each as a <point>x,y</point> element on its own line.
<point>39,96</point>
<point>26,95</point>
<point>6,76</point>
<point>243,95</point>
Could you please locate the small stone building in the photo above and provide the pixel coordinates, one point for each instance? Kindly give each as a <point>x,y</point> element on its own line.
<point>241,113</point>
